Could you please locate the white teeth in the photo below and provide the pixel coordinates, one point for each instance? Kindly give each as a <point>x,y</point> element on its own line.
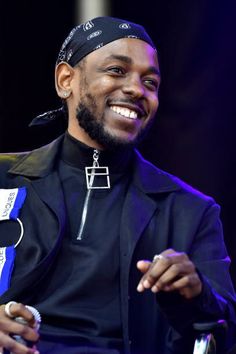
<point>126,112</point>
<point>133,115</point>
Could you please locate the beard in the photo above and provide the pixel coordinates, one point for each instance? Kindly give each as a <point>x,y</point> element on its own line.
<point>96,128</point>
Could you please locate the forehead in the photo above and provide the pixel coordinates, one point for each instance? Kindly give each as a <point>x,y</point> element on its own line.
<point>138,51</point>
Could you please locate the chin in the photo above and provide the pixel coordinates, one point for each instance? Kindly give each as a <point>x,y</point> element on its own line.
<point>106,136</point>
<point>111,141</point>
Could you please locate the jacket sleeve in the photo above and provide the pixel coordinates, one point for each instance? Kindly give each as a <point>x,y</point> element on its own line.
<point>217,299</point>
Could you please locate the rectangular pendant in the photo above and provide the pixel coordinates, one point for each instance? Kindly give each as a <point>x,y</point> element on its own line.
<point>97,177</point>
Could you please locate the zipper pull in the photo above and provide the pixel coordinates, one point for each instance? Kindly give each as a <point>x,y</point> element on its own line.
<point>95,171</point>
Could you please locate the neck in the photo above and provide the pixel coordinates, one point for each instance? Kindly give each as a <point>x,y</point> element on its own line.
<point>80,135</point>
<point>79,154</point>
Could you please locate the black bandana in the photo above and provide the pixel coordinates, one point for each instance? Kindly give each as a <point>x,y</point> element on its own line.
<point>90,36</point>
<point>96,33</point>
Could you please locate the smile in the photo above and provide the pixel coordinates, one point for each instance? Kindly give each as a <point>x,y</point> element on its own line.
<point>125,112</point>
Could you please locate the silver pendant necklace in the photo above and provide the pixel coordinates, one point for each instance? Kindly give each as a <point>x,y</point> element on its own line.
<point>97,171</point>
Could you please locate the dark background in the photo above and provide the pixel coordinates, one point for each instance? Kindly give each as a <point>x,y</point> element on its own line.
<point>194,133</point>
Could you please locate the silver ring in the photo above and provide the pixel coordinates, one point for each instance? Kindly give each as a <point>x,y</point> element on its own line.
<point>7,309</point>
<point>157,257</point>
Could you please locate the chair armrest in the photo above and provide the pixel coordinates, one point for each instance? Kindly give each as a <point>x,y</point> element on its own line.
<point>210,337</point>
<point>210,326</point>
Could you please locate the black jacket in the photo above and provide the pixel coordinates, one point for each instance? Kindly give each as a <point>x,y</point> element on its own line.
<point>159,212</point>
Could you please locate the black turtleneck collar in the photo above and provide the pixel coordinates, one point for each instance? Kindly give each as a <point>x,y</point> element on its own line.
<point>79,155</point>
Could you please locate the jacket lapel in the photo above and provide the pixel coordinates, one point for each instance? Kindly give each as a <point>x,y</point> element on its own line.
<point>141,202</point>
<point>137,211</point>
<point>49,190</point>
<point>40,166</point>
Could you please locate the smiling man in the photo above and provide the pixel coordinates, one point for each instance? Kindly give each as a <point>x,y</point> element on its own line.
<point>116,255</point>
<point>113,93</point>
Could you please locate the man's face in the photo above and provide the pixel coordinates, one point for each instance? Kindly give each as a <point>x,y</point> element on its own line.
<point>115,95</point>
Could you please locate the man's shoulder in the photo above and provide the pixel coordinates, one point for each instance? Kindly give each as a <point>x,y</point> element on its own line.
<point>36,162</point>
<point>7,160</point>
<point>156,179</point>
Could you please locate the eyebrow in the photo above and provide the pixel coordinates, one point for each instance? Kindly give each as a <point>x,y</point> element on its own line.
<point>128,60</point>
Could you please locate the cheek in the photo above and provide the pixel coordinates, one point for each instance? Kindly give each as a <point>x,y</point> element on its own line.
<point>77,96</point>
<point>102,85</point>
<point>154,103</point>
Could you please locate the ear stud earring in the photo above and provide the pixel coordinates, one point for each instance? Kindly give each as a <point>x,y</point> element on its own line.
<point>66,94</point>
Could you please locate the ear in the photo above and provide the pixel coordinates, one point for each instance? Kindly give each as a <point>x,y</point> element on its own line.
<point>64,74</point>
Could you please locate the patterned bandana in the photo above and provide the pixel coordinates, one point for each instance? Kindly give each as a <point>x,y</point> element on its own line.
<point>84,39</point>
<point>96,33</point>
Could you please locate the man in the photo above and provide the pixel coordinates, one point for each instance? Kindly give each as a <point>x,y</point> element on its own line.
<point>116,255</point>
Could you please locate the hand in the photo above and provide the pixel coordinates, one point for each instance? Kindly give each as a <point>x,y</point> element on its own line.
<point>9,326</point>
<point>172,271</point>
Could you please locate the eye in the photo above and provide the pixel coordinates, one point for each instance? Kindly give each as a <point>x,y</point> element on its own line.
<point>152,84</point>
<point>116,70</point>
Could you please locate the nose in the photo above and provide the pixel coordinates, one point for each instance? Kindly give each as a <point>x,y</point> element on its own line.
<point>133,86</point>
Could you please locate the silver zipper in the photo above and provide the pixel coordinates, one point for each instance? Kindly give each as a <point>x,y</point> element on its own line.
<point>86,201</point>
<point>85,211</point>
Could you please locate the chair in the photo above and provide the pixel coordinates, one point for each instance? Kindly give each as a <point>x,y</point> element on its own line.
<point>210,337</point>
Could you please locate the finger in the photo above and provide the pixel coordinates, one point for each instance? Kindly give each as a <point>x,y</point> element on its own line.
<point>14,347</point>
<point>19,310</point>
<point>24,331</point>
<point>174,272</point>
<point>189,286</point>
<point>10,325</point>
<point>149,278</point>
<point>143,265</point>
<point>177,263</point>
<point>155,271</point>
<point>159,267</point>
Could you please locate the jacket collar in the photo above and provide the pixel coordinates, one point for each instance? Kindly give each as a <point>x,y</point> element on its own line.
<point>41,162</point>
<point>151,179</point>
